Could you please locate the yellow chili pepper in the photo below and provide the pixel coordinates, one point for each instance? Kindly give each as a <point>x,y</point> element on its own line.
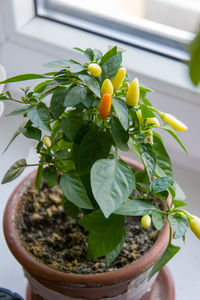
<point>94,69</point>
<point>149,137</point>
<point>194,223</point>
<point>139,115</point>
<point>47,141</point>
<point>105,105</point>
<point>133,93</point>
<point>119,78</point>
<point>174,122</point>
<point>126,86</point>
<point>146,221</point>
<point>153,121</point>
<point>107,87</point>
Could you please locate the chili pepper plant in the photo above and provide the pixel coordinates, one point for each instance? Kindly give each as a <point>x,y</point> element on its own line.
<point>94,112</point>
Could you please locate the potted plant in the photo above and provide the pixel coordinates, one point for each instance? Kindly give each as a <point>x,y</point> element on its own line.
<point>93,113</point>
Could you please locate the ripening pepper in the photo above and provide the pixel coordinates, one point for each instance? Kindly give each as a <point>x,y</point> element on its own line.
<point>149,137</point>
<point>174,122</point>
<point>153,121</point>
<point>47,141</point>
<point>133,93</point>
<point>107,87</point>
<point>139,115</point>
<point>105,105</point>
<point>194,223</point>
<point>94,69</point>
<point>146,221</point>
<point>119,78</point>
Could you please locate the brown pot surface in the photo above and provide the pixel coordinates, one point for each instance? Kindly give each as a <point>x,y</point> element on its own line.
<point>94,286</point>
<point>162,289</point>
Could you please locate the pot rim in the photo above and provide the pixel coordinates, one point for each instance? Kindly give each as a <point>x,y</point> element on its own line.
<point>33,266</point>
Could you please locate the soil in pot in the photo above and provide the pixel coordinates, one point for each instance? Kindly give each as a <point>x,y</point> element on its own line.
<point>59,242</point>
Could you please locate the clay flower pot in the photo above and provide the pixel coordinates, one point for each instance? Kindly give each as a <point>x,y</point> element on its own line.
<point>127,283</point>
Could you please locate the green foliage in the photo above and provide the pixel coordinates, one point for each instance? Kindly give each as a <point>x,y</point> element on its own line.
<point>165,257</point>
<point>114,181</point>
<point>121,110</point>
<point>70,209</point>
<point>110,257</point>
<point>78,150</point>
<point>157,219</point>
<point>179,225</point>
<point>57,102</point>
<point>160,184</point>
<point>136,207</point>
<point>105,234</point>
<point>119,135</point>
<point>148,157</point>
<point>14,171</point>
<point>73,189</point>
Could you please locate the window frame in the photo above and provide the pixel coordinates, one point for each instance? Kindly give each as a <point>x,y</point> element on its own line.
<point>50,37</point>
<point>141,35</point>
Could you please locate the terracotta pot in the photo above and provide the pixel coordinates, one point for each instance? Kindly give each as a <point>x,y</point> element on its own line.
<point>127,283</point>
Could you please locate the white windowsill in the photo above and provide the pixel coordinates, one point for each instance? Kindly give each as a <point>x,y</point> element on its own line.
<point>52,38</point>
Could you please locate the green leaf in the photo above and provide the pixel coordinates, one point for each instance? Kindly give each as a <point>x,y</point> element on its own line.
<point>95,144</point>
<point>145,89</point>
<point>121,110</point>
<point>75,95</point>
<point>170,130</point>
<point>73,189</point>
<point>149,158</point>
<point>120,136</point>
<point>50,175</point>
<point>18,111</point>
<point>194,64</point>
<point>157,219</point>
<point>169,253</point>
<point>105,234</point>
<point>40,116</point>
<point>160,184</point>
<point>70,209</point>
<point>38,178</point>
<point>41,86</point>
<point>142,180</point>
<point>163,163</point>
<point>178,203</point>
<point>57,64</point>
<point>63,154</point>
<point>179,225</point>
<point>110,257</point>
<point>74,67</point>
<point>179,193</point>
<point>92,83</point>
<point>89,100</point>
<point>50,88</point>
<point>71,124</point>
<point>146,112</point>
<point>136,207</point>
<point>23,77</point>
<point>32,133</point>
<point>17,132</point>
<point>57,102</point>
<point>89,54</point>
<point>97,54</point>
<point>14,171</point>
<point>108,55</point>
<point>112,183</point>
<point>111,66</point>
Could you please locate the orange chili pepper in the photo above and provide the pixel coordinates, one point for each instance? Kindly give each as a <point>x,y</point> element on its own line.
<point>104,106</point>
